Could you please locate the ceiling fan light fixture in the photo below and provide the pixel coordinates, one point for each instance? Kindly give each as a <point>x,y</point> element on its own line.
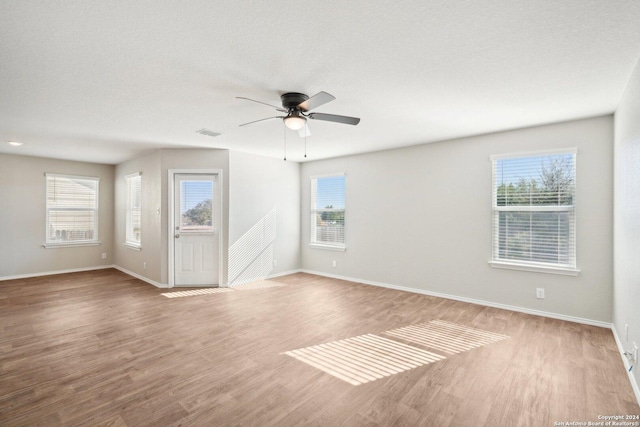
<point>295,122</point>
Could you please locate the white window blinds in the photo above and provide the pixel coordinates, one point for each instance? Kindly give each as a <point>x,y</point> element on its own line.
<point>72,210</point>
<point>133,209</point>
<point>196,205</point>
<point>534,210</point>
<point>328,211</point>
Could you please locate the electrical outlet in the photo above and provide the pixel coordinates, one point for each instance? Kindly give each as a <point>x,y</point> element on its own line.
<point>104,255</point>
<point>540,293</point>
<point>144,265</point>
<point>334,264</point>
<point>275,262</point>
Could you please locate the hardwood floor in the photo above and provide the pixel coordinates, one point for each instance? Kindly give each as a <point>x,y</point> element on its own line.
<point>104,349</point>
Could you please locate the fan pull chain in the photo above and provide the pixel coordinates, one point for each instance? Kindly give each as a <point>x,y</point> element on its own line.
<point>285,141</point>
<point>305,143</point>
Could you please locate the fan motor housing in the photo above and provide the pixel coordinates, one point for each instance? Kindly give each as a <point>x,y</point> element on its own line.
<point>292,99</point>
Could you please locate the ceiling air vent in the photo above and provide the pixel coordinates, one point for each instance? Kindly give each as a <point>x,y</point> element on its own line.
<point>208,132</point>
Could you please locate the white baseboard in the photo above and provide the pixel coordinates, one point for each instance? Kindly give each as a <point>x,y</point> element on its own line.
<point>51,273</point>
<point>350,279</point>
<point>78,270</point>
<point>144,279</point>
<point>468,300</point>
<point>632,378</point>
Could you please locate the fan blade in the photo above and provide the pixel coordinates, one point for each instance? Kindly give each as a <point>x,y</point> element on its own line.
<point>315,101</point>
<point>263,103</point>
<point>304,131</point>
<point>334,118</point>
<point>261,120</point>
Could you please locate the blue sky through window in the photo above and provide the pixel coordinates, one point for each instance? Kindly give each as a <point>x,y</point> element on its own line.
<point>194,192</point>
<point>330,191</point>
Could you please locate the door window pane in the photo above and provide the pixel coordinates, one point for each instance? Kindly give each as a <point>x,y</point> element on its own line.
<point>196,206</point>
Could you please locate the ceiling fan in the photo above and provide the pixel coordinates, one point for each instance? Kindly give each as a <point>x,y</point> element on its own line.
<point>297,107</point>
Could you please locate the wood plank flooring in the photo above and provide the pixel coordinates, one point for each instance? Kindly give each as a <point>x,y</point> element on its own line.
<point>102,348</point>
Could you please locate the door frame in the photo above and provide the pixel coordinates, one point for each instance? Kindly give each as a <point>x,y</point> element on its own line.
<point>171,218</point>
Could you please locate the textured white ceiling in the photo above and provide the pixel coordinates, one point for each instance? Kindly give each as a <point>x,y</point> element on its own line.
<point>107,80</point>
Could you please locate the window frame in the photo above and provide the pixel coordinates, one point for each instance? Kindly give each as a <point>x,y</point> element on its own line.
<point>96,209</point>
<point>129,230</point>
<point>314,211</point>
<point>533,266</point>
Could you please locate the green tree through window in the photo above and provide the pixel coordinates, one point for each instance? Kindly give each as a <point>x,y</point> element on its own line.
<point>199,215</point>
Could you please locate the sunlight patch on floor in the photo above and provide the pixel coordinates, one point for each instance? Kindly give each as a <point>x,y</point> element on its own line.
<point>260,284</point>
<point>445,336</point>
<point>196,292</point>
<point>364,358</point>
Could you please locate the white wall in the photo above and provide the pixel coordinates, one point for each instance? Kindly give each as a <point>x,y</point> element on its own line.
<point>23,217</point>
<point>253,188</point>
<point>264,217</point>
<point>155,204</point>
<point>155,168</point>
<point>151,220</point>
<point>420,217</point>
<point>626,295</point>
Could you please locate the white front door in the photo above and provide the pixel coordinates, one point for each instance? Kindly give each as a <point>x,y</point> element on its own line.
<point>195,229</point>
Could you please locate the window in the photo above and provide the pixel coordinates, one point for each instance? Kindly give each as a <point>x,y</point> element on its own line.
<point>72,210</point>
<point>196,205</point>
<point>534,212</point>
<point>133,212</point>
<point>327,211</point>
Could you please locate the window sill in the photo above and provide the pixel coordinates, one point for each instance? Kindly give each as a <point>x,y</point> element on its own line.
<point>565,271</point>
<point>327,247</point>
<point>70,245</point>
<point>132,246</point>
